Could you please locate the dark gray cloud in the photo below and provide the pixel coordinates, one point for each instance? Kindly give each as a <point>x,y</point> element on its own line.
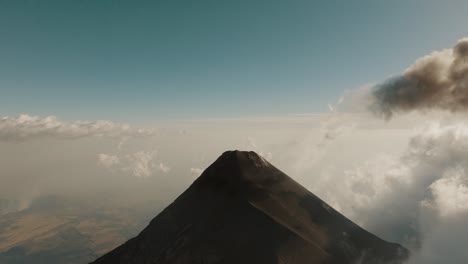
<point>436,81</point>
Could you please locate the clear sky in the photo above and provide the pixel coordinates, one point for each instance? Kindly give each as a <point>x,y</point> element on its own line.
<point>137,61</point>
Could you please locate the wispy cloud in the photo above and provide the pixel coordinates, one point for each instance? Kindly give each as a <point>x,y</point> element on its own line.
<point>141,164</point>
<point>26,127</point>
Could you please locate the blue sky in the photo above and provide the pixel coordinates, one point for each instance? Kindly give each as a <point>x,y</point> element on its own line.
<point>137,61</point>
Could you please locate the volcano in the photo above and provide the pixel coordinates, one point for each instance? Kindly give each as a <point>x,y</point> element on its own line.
<point>244,210</point>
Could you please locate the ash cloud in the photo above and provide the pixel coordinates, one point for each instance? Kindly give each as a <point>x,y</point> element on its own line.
<point>436,81</point>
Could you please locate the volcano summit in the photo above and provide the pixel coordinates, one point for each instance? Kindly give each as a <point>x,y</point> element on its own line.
<point>244,210</point>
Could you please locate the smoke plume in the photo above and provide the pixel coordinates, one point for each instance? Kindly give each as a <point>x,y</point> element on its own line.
<point>436,81</point>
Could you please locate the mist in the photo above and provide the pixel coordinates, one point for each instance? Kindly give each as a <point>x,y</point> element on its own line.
<point>405,180</point>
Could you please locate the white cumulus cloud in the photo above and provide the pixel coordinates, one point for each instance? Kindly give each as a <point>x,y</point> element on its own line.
<point>418,196</point>
<point>107,160</point>
<point>140,164</point>
<point>26,127</point>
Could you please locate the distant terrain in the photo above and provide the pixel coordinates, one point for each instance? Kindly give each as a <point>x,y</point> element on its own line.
<point>58,230</point>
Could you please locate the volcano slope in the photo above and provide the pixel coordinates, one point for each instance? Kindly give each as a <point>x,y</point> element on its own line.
<point>244,210</point>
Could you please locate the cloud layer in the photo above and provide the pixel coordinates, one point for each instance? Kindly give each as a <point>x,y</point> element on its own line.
<point>26,127</point>
<point>408,191</point>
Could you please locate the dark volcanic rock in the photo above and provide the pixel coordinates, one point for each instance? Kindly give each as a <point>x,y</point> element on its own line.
<point>244,210</point>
